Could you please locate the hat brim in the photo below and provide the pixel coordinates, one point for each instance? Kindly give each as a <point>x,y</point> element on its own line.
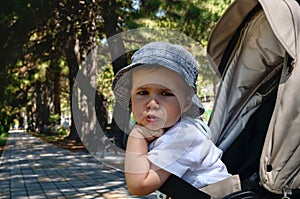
<point>121,87</point>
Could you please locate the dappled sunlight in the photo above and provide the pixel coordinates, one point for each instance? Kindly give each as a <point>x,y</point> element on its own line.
<point>31,168</point>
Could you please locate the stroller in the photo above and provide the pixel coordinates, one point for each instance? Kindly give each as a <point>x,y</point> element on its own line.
<point>255,50</point>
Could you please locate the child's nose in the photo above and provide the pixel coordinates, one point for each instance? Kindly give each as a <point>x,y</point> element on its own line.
<point>152,104</point>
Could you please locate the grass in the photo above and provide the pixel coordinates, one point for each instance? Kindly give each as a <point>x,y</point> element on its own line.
<point>3,138</point>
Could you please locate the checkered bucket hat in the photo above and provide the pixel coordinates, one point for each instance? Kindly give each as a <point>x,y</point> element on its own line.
<point>171,56</point>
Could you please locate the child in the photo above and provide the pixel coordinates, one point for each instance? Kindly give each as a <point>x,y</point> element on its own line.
<point>159,88</point>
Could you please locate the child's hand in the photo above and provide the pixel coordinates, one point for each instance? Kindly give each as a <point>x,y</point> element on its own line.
<point>142,132</point>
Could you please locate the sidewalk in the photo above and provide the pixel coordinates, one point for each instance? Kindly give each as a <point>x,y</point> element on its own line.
<point>30,168</point>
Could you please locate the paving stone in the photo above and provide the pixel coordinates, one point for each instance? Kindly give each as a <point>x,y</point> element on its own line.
<point>32,169</point>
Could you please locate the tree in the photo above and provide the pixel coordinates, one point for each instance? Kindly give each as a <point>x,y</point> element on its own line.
<point>41,39</point>
<point>18,22</point>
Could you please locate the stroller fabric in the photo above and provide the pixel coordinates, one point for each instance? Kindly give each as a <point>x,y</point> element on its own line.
<point>262,60</point>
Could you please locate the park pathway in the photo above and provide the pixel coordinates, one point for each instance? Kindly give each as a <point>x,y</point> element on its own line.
<point>30,168</point>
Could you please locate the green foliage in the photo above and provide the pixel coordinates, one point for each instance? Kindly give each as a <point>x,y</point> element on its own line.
<point>3,135</point>
<point>62,131</point>
<point>54,118</point>
<point>3,139</point>
<point>36,39</point>
<point>105,78</point>
<point>194,18</point>
<point>18,19</point>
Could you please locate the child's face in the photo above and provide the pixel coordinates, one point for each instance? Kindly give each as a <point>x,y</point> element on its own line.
<point>158,97</point>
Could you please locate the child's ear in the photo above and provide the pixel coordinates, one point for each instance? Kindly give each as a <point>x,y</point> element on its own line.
<point>187,105</point>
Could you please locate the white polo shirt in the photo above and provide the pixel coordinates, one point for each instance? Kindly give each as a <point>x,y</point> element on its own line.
<point>186,151</point>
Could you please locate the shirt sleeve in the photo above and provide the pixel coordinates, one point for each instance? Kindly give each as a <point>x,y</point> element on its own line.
<point>179,149</point>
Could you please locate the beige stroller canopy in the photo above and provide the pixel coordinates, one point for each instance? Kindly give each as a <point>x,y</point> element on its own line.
<point>263,60</point>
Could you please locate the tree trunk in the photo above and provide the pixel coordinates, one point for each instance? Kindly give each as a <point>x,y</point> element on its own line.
<point>42,107</point>
<point>72,61</point>
<point>115,45</point>
<point>116,48</point>
<point>57,88</point>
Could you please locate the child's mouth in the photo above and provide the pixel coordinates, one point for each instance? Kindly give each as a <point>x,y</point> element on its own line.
<point>152,118</point>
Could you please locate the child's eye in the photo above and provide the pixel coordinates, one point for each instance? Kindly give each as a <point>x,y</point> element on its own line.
<point>142,93</point>
<point>167,93</point>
